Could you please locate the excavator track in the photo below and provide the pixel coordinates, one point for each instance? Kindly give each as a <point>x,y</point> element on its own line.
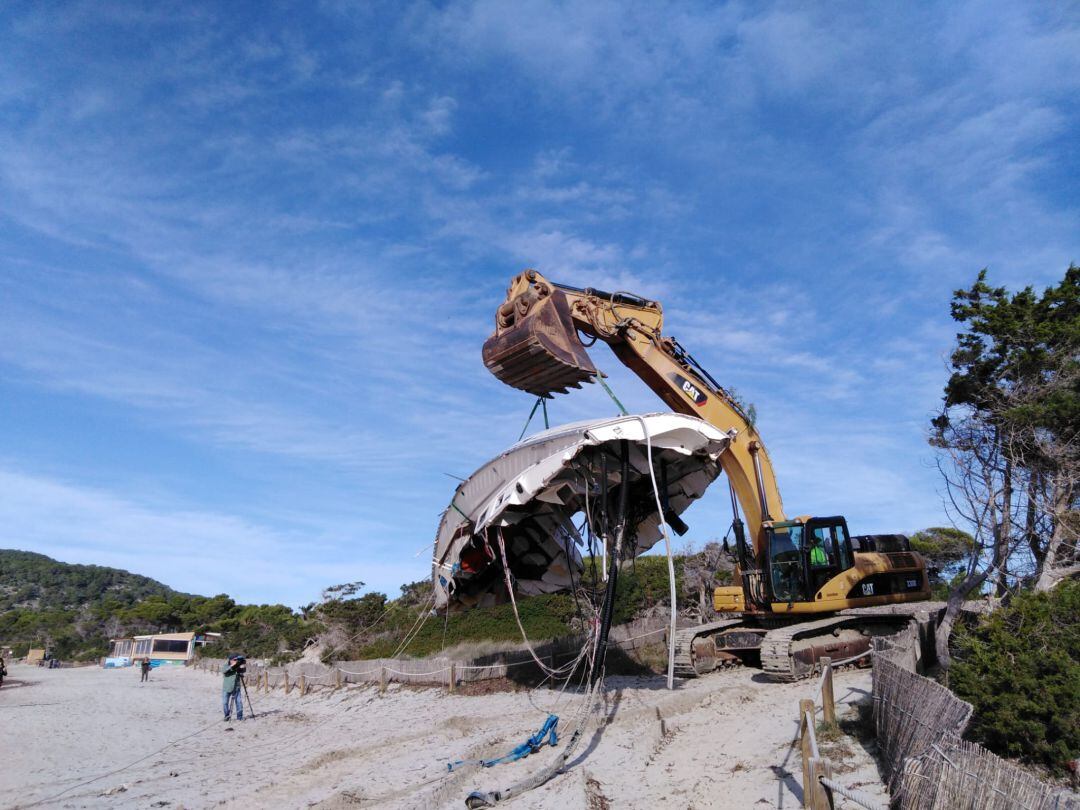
<point>792,652</point>
<point>724,643</point>
<point>780,651</point>
<point>695,650</point>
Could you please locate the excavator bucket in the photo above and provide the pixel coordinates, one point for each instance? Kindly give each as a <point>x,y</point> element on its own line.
<point>535,346</point>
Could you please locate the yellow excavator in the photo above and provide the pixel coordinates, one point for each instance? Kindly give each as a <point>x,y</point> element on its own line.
<point>807,589</point>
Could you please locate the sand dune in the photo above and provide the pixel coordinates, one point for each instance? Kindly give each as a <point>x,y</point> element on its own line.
<point>98,738</point>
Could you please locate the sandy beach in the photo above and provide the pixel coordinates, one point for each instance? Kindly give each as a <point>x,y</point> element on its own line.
<point>98,738</point>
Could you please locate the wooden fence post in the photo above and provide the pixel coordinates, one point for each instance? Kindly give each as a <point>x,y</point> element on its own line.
<point>382,681</point>
<point>452,680</point>
<point>819,795</point>
<point>828,702</point>
<point>288,688</point>
<point>806,707</point>
<point>303,684</point>
<point>337,678</point>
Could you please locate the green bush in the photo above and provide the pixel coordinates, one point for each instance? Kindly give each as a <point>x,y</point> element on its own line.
<point>544,617</point>
<point>1020,668</point>
<point>643,584</point>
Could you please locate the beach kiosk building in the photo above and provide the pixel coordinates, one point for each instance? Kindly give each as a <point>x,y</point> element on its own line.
<point>163,649</point>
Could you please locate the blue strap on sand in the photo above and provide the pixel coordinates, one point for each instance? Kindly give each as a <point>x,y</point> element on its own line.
<point>547,735</point>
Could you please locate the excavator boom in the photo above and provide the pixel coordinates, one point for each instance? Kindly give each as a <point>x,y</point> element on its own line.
<point>536,348</point>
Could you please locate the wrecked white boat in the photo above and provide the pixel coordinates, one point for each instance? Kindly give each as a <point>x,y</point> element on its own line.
<point>535,496</point>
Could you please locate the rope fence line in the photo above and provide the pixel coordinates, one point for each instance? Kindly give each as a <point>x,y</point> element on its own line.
<point>857,796</point>
<point>443,672</point>
<point>816,768</point>
<point>364,672</point>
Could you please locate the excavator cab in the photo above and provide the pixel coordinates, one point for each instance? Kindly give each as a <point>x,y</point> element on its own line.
<point>804,554</point>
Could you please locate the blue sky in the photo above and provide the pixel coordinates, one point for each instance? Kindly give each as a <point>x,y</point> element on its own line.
<point>249,252</point>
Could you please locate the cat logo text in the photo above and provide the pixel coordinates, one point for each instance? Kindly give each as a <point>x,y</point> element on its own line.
<point>691,390</point>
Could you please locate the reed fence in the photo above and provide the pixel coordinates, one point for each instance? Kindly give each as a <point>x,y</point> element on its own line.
<point>910,712</point>
<point>920,724</point>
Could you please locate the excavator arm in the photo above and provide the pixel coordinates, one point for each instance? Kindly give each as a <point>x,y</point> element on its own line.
<point>536,348</point>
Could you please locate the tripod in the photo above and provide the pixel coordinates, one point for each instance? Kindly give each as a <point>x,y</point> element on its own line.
<point>243,684</point>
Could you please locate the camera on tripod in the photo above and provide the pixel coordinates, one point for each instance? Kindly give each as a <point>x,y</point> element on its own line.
<point>239,664</point>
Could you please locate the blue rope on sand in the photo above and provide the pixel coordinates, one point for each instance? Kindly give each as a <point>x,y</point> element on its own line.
<point>547,735</point>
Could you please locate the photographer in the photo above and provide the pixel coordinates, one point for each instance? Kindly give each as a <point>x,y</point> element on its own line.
<point>231,685</point>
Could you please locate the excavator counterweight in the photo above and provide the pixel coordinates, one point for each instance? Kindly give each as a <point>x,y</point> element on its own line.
<point>535,346</point>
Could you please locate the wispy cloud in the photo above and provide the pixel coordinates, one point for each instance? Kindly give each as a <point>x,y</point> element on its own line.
<point>272,247</point>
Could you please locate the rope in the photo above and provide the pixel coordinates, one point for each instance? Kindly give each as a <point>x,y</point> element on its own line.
<point>643,635</point>
<point>570,668</point>
<point>667,546</point>
<point>364,672</point>
<point>821,681</point>
<point>433,672</point>
<point>857,796</point>
<point>590,706</point>
<point>52,798</point>
<point>418,625</point>
<point>610,393</point>
<point>513,601</point>
<point>809,720</point>
<point>863,654</point>
<point>247,754</point>
<point>531,414</point>
<point>362,629</point>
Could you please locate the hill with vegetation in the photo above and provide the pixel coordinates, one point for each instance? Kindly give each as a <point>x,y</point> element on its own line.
<point>35,582</point>
<point>65,607</point>
<point>73,610</point>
